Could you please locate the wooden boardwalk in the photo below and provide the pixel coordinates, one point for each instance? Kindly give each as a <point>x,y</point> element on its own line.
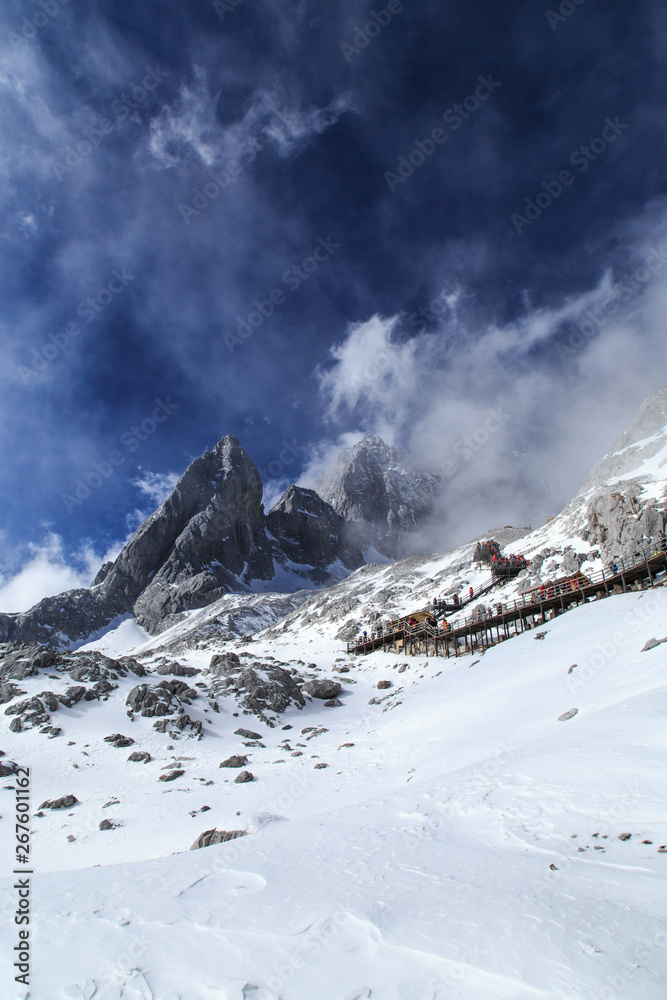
<point>477,632</point>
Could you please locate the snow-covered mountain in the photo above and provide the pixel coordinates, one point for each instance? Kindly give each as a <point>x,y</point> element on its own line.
<point>379,827</point>
<point>210,537</point>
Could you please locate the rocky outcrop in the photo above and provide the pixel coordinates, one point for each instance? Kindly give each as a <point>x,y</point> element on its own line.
<point>311,535</point>
<point>621,525</point>
<point>262,689</point>
<point>210,837</point>
<point>159,699</point>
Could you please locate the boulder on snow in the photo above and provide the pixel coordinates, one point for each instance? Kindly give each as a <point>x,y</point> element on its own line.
<point>210,837</point>
<point>568,715</point>
<point>244,776</point>
<point>108,824</point>
<point>171,775</point>
<point>140,757</point>
<point>652,643</point>
<point>323,688</point>
<point>118,740</point>
<point>66,802</point>
<point>224,664</point>
<point>234,762</point>
<point>247,734</point>
<point>383,685</point>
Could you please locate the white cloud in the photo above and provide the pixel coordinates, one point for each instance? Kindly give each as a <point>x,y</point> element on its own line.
<point>48,570</point>
<point>156,486</point>
<point>191,126</point>
<point>373,376</point>
<point>560,411</point>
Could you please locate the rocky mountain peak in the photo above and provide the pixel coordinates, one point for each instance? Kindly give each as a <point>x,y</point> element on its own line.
<point>310,534</point>
<point>373,484</point>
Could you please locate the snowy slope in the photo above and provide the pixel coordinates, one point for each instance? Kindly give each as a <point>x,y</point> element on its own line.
<point>415,865</point>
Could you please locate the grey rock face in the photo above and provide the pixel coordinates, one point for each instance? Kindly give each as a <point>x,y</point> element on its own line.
<point>621,526</point>
<point>171,775</point>
<point>244,777</point>
<point>160,699</point>
<point>21,660</point>
<point>234,762</point>
<point>652,643</point>
<point>373,485</point>
<point>261,689</point>
<point>210,837</point>
<point>310,533</point>
<point>323,689</point>
<point>9,691</point>
<point>206,539</point>
<point>224,664</point>
<point>118,740</point>
<point>176,670</point>
<point>108,824</point>
<point>66,802</point>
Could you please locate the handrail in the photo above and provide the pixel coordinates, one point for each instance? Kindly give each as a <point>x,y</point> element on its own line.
<point>570,586</point>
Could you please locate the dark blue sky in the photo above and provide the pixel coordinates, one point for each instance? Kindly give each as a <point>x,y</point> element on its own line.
<point>127,267</point>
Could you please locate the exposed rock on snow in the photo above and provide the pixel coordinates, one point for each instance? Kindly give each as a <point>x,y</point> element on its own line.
<point>160,699</point>
<point>234,761</point>
<point>66,802</point>
<point>652,643</point>
<point>118,740</point>
<point>322,688</point>
<point>210,837</point>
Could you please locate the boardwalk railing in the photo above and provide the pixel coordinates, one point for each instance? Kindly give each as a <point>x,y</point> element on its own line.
<point>476,630</point>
